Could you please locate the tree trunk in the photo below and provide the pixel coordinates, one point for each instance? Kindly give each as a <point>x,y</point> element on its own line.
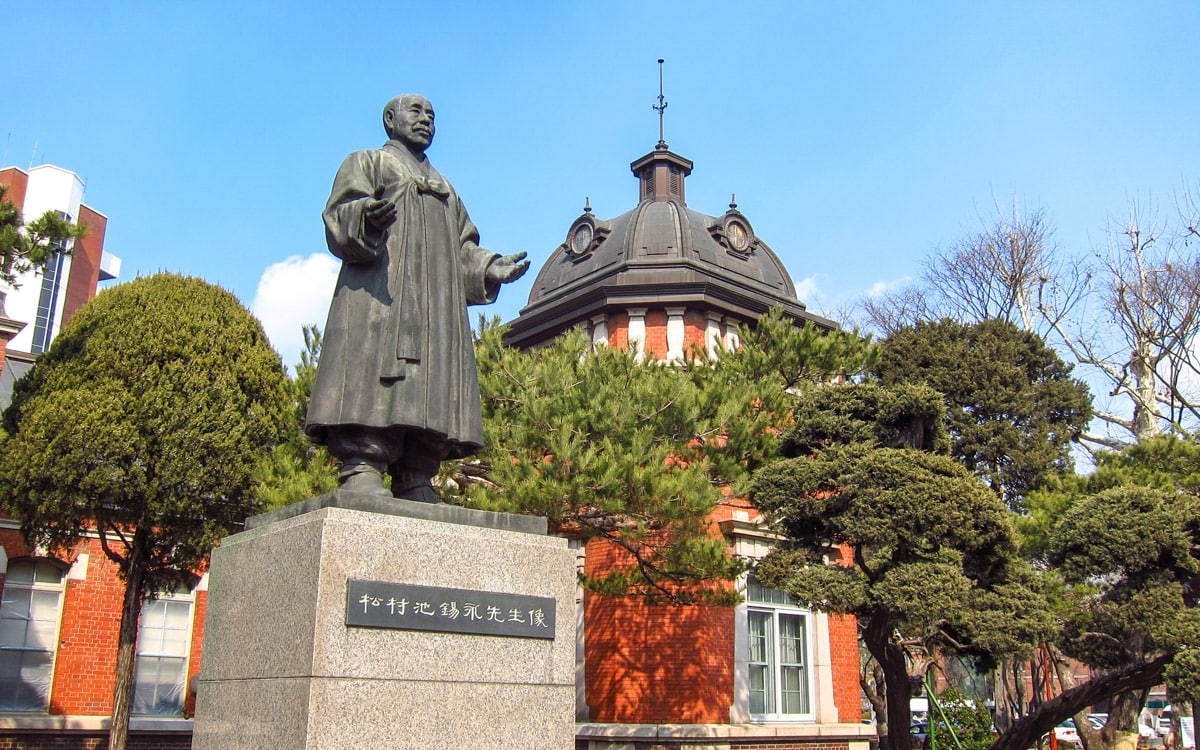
<point>131,611</point>
<point>897,687</point>
<point>870,680</point>
<point>1022,706</point>
<point>1121,731</point>
<point>1025,732</point>
<point>1145,386</point>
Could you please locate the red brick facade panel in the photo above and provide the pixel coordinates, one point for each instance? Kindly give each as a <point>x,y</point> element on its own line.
<point>843,652</point>
<point>17,183</point>
<point>618,330</point>
<point>649,664</point>
<point>695,324</point>
<point>656,334</point>
<point>87,653</point>
<point>85,262</point>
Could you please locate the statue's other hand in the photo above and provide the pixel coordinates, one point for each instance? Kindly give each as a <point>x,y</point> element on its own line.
<point>380,214</point>
<point>508,268</point>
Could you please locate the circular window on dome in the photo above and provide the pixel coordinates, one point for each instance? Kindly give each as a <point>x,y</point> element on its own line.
<point>737,235</point>
<point>581,239</point>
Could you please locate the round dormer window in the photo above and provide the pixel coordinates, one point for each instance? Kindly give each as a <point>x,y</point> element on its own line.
<point>581,239</point>
<point>738,236</point>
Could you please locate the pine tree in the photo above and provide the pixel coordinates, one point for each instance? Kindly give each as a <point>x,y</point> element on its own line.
<point>933,550</point>
<point>27,246</point>
<point>640,454</point>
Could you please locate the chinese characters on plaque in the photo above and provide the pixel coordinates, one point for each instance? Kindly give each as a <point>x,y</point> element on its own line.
<point>375,604</point>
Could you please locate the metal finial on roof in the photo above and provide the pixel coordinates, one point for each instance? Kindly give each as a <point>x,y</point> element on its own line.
<point>661,106</point>
<point>587,205</point>
<point>733,200</point>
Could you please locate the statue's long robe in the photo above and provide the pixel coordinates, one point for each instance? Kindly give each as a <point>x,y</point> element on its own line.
<point>397,348</point>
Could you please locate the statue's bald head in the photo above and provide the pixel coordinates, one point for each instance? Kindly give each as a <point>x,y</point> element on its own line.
<point>409,119</point>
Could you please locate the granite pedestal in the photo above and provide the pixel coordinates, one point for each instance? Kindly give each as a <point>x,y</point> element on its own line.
<point>281,668</point>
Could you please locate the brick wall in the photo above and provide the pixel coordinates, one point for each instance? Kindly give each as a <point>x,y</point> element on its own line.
<point>655,663</point>
<point>844,655</point>
<point>656,334</point>
<point>695,324</point>
<point>843,651</point>
<point>87,653</point>
<point>85,262</point>
<point>17,182</point>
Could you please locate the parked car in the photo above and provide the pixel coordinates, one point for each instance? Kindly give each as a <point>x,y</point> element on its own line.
<point>1097,721</point>
<point>1067,734</point>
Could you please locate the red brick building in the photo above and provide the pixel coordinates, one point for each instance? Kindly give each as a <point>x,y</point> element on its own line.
<point>767,673</point>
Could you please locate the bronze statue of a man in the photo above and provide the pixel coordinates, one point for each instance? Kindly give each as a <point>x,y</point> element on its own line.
<point>396,389</point>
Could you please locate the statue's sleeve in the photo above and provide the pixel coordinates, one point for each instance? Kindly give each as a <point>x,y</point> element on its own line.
<point>346,230</point>
<point>475,261</point>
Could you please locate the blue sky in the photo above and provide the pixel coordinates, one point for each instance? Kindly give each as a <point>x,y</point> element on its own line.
<point>857,136</point>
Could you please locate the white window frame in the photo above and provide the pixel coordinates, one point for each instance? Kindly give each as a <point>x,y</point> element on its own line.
<point>144,649</point>
<point>772,612</point>
<point>35,586</point>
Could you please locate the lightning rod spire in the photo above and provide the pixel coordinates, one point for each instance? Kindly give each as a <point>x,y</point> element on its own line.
<point>660,107</point>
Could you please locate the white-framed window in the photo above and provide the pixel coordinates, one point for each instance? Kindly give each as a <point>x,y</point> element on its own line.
<point>29,620</point>
<point>164,642</point>
<point>780,655</point>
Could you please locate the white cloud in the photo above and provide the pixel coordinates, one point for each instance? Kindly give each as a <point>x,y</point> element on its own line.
<point>883,287</point>
<point>808,290</point>
<point>292,294</point>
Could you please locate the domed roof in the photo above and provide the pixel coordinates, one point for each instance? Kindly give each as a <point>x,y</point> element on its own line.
<point>663,243</point>
<point>659,253</point>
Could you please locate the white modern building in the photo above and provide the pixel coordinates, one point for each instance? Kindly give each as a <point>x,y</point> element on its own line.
<point>33,311</point>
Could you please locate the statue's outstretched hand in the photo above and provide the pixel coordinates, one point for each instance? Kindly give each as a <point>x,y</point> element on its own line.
<point>507,268</point>
<point>380,214</point>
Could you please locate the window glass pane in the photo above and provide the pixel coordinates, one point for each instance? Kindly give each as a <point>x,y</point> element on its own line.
<point>791,639</point>
<point>760,637</point>
<point>177,615</point>
<point>161,676</point>
<point>15,606</point>
<point>778,650</point>
<point>47,572</point>
<point>794,696</point>
<point>159,685</point>
<point>41,634</point>
<point>756,592</point>
<point>760,693</point>
<point>164,627</point>
<point>13,632</point>
<point>28,631</point>
<point>25,680</point>
<point>20,572</point>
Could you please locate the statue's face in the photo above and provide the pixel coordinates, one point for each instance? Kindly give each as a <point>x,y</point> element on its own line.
<point>411,122</point>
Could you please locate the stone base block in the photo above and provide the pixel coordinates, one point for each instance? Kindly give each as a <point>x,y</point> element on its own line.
<point>281,669</point>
